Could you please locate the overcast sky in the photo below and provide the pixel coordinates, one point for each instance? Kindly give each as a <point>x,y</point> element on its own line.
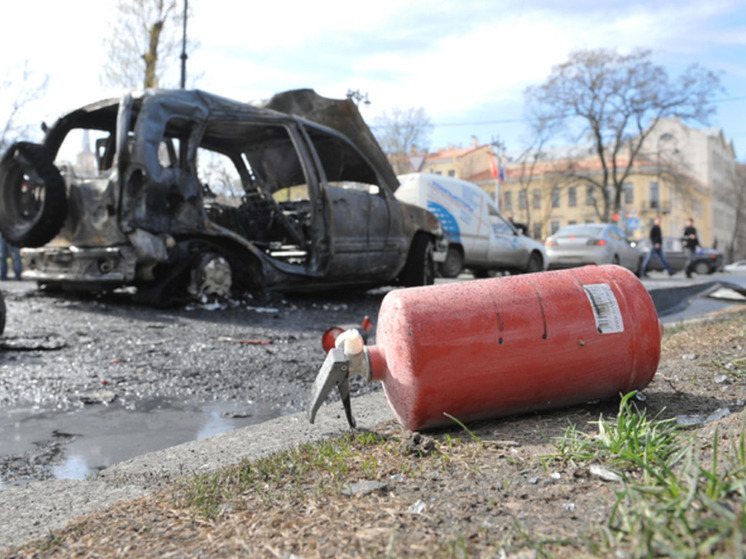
<point>466,63</point>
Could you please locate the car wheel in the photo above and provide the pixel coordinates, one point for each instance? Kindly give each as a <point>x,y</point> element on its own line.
<point>419,268</point>
<point>2,314</point>
<point>702,268</point>
<point>453,264</point>
<point>210,276</point>
<point>534,264</point>
<point>33,196</point>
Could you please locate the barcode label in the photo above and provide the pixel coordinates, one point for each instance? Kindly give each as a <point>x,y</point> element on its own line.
<point>605,308</point>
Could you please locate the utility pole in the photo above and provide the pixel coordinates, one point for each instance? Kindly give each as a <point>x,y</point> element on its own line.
<point>498,151</point>
<point>183,48</point>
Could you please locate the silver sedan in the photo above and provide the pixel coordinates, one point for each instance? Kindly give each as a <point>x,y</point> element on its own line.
<point>592,243</point>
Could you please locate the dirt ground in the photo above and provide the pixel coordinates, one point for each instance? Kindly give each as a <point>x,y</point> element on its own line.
<point>443,494</point>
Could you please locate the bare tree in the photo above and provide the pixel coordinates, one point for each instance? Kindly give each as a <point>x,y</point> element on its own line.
<point>19,89</point>
<point>541,129</point>
<point>144,43</point>
<point>399,131</point>
<point>615,101</point>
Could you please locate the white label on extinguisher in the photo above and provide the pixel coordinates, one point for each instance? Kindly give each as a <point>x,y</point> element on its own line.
<point>605,308</point>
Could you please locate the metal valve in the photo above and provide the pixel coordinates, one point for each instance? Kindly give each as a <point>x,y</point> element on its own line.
<point>348,358</point>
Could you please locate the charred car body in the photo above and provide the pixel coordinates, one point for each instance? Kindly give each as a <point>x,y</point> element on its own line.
<point>188,192</point>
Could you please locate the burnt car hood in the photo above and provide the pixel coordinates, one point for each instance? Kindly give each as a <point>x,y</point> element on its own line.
<point>339,114</point>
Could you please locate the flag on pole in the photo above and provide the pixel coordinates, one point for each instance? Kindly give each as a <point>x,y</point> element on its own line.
<point>502,173</point>
<point>493,166</point>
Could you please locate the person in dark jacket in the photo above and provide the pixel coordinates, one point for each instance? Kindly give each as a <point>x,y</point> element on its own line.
<point>691,242</point>
<point>656,247</point>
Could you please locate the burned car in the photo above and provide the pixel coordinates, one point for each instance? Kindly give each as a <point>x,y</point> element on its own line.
<point>182,192</point>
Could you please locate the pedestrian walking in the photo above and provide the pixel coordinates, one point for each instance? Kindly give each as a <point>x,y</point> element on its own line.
<point>691,242</point>
<point>656,248</point>
<point>14,253</point>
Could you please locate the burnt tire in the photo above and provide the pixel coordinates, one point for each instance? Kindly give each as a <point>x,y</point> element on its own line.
<point>453,264</point>
<point>419,268</point>
<point>210,276</point>
<point>33,198</point>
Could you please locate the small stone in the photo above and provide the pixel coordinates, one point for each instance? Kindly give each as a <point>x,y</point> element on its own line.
<point>418,507</point>
<point>102,397</point>
<point>604,474</point>
<point>364,488</point>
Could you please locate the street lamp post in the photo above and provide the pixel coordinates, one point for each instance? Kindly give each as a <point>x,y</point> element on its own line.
<point>356,97</point>
<point>183,48</point>
<point>498,149</point>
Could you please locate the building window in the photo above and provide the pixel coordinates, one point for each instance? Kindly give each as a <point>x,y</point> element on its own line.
<point>572,196</point>
<point>508,199</point>
<point>554,226</point>
<point>451,173</point>
<point>537,198</point>
<point>555,197</point>
<point>536,230</point>
<point>655,201</point>
<point>572,222</point>
<point>629,193</point>
<point>522,200</point>
<point>590,196</point>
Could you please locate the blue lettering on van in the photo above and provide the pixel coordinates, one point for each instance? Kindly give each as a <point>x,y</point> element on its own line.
<point>470,204</point>
<point>447,221</point>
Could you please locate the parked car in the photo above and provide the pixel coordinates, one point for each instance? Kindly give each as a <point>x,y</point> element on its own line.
<point>592,243</point>
<point>478,237</point>
<point>706,260</point>
<point>186,192</point>
<point>739,266</point>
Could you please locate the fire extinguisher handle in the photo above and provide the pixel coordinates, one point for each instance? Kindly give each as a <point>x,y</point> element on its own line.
<point>334,372</point>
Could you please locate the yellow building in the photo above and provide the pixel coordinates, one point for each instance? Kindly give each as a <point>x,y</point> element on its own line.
<point>547,196</point>
<point>463,163</point>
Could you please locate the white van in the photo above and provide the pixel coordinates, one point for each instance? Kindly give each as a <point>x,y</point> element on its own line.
<point>479,238</point>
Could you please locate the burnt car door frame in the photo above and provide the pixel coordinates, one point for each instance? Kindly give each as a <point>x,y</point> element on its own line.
<point>357,251</point>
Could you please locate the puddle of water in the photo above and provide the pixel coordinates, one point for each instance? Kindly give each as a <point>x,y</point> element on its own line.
<point>97,436</point>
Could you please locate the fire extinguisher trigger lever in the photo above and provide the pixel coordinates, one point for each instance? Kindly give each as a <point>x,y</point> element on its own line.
<point>334,372</point>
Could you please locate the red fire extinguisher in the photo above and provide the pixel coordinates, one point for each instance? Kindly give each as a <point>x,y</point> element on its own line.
<point>495,347</point>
